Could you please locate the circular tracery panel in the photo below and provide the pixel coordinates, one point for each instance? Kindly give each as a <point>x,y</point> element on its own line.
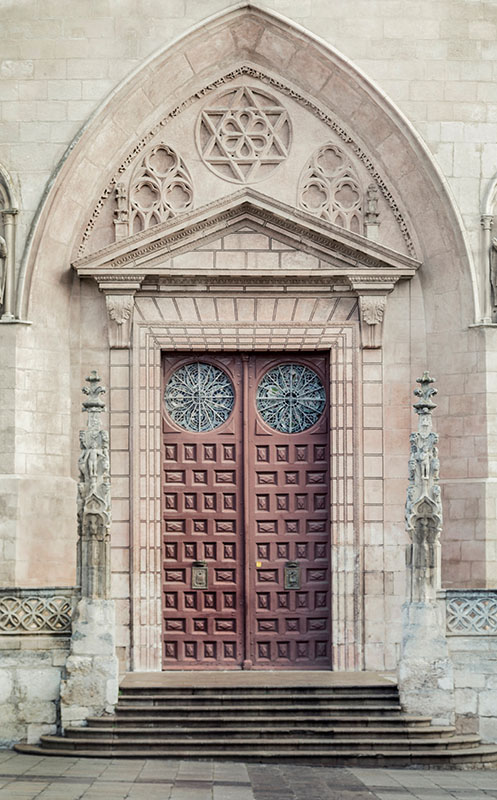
<point>243,134</point>
<point>290,398</point>
<point>199,397</point>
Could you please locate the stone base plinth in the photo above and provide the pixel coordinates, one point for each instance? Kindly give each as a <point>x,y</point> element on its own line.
<point>91,681</point>
<point>425,672</point>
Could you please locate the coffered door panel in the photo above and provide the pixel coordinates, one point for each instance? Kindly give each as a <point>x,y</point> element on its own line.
<point>203,537</point>
<point>288,505</point>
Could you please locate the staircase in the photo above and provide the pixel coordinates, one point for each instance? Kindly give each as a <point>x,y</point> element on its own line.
<point>337,725</point>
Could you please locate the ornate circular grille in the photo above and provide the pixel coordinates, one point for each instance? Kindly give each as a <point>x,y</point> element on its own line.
<point>199,397</point>
<point>290,398</point>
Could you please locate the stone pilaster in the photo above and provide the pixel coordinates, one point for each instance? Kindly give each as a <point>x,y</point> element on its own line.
<point>425,672</point>
<point>91,679</point>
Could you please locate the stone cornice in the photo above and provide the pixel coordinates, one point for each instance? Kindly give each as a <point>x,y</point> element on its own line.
<point>344,253</point>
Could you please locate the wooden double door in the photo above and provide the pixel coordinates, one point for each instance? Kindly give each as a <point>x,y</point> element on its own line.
<point>246,528</point>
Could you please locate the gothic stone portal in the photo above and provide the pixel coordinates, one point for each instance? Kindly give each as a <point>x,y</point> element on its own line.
<point>246,580</point>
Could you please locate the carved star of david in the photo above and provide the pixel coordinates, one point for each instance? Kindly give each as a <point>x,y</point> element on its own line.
<point>244,135</point>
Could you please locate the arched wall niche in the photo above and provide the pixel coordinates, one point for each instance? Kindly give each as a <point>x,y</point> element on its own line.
<point>426,317</point>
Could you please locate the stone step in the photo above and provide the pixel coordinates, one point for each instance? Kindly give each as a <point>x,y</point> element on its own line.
<point>151,742</point>
<point>150,720</point>
<point>481,756</point>
<point>230,731</point>
<point>287,710</point>
<point>235,691</point>
<point>273,697</point>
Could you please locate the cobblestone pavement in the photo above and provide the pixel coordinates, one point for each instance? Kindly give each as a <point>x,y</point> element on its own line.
<point>28,777</point>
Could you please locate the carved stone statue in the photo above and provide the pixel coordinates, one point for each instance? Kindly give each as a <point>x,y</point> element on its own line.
<point>94,510</point>
<point>3,267</point>
<point>424,505</point>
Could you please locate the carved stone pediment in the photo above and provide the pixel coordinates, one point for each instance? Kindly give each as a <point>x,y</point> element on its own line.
<point>341,253</point>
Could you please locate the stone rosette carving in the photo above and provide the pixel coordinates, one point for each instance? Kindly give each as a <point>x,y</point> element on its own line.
<point>471,612</point>
<point>243,134</point>
<point>329,188</point>
<point>424,503</point>
<point>94,505</point>
<point>161,188</point>
<point>35,611</point>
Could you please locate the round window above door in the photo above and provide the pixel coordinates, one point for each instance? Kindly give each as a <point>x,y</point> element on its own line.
<point>290,398</point>
<point>199,397</point>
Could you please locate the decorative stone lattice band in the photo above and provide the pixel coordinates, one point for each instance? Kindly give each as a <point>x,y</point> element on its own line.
<point>472,612</point>
<point>40,611</point>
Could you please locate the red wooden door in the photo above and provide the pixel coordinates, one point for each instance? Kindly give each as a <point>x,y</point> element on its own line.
<point>245,507</point>
<point>202,510</point>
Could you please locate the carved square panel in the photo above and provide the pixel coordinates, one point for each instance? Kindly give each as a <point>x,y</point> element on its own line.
<point>171,550</point>
<point>320,599</point>
<point>292,525</point>
<point>190,501</point>
<point>283,600</point>
<point>229,502</point>
<point>302,600</point>
<point>262,452</point>
<point>263,551</point>
<point>190,600</point>
<point>210,551</point>
<point>209,599</point>
<point>209,502</point>
<point>263,650</point>
<point>191,650</point>
<point>171,452</point>
<point>229,649</point>
<point>199,476</point>
<point>319,452</point>
<point>319,502</point>
<point>191,551</point>
<point>226,625</point>
<point>312,476</point>
<point>225,575</point>
<point>229,600</point>
<point>209,452</point>
<point>171,501</point>
<point>174,476</point>
<point>171,650</point>
<point>267,625</point>
<point>200,625</point>
<point>174,575</point>
<point>171,599</point>
<point>301,502</point>
<point>267,575</point>
<point>267,526</point>
<point>225,526</point>
<point>175,526</point>
<point>301,550</point>
<point>229,452</point>
<point>301,452</point>
<point>316,525</point>
<point>263,600</point>
<point>262,502</point>
<point>316,624</point>
<point>282,452</point>
<point>292,625</point>
<point>210,650</point>
<point>190,452</point>
<point>200,526</point>
<point>229,551</point>
<point>283,551</point>
<point>292,478</point>
<point>282,502</point>
<point>283,649</point>
<point>316,575</point>
<point>321,649</point>
<point>225,476</point>
<point>302,649</point>
<point>320,550</point>
<point>176,625</point>
<point>267,478</point>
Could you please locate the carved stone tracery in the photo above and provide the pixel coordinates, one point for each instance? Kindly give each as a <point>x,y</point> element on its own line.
<point>330,189</point>
<point>160,188</point>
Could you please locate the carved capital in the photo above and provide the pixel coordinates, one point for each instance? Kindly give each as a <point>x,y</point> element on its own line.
<point>120,319</point>
<point>371,311</point>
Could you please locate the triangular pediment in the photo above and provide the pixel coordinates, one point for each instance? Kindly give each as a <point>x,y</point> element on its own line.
<point>332,253</point>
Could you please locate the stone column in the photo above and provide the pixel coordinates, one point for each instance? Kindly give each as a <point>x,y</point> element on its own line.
<point>91,679</point>
<point>425,673</point>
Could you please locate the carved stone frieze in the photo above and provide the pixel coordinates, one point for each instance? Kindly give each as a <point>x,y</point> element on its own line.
<point>160,188</point>
<point>120,319</point>
<point>471,612</point>
<point>94,507</point>
<point>36,611</point>
<point>329,188</point>
<point>256,73</point>
<point>243,134</point>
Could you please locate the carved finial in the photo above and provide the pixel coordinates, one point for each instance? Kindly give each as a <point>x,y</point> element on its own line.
<point>94,403</point>
<point>425,405</point>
